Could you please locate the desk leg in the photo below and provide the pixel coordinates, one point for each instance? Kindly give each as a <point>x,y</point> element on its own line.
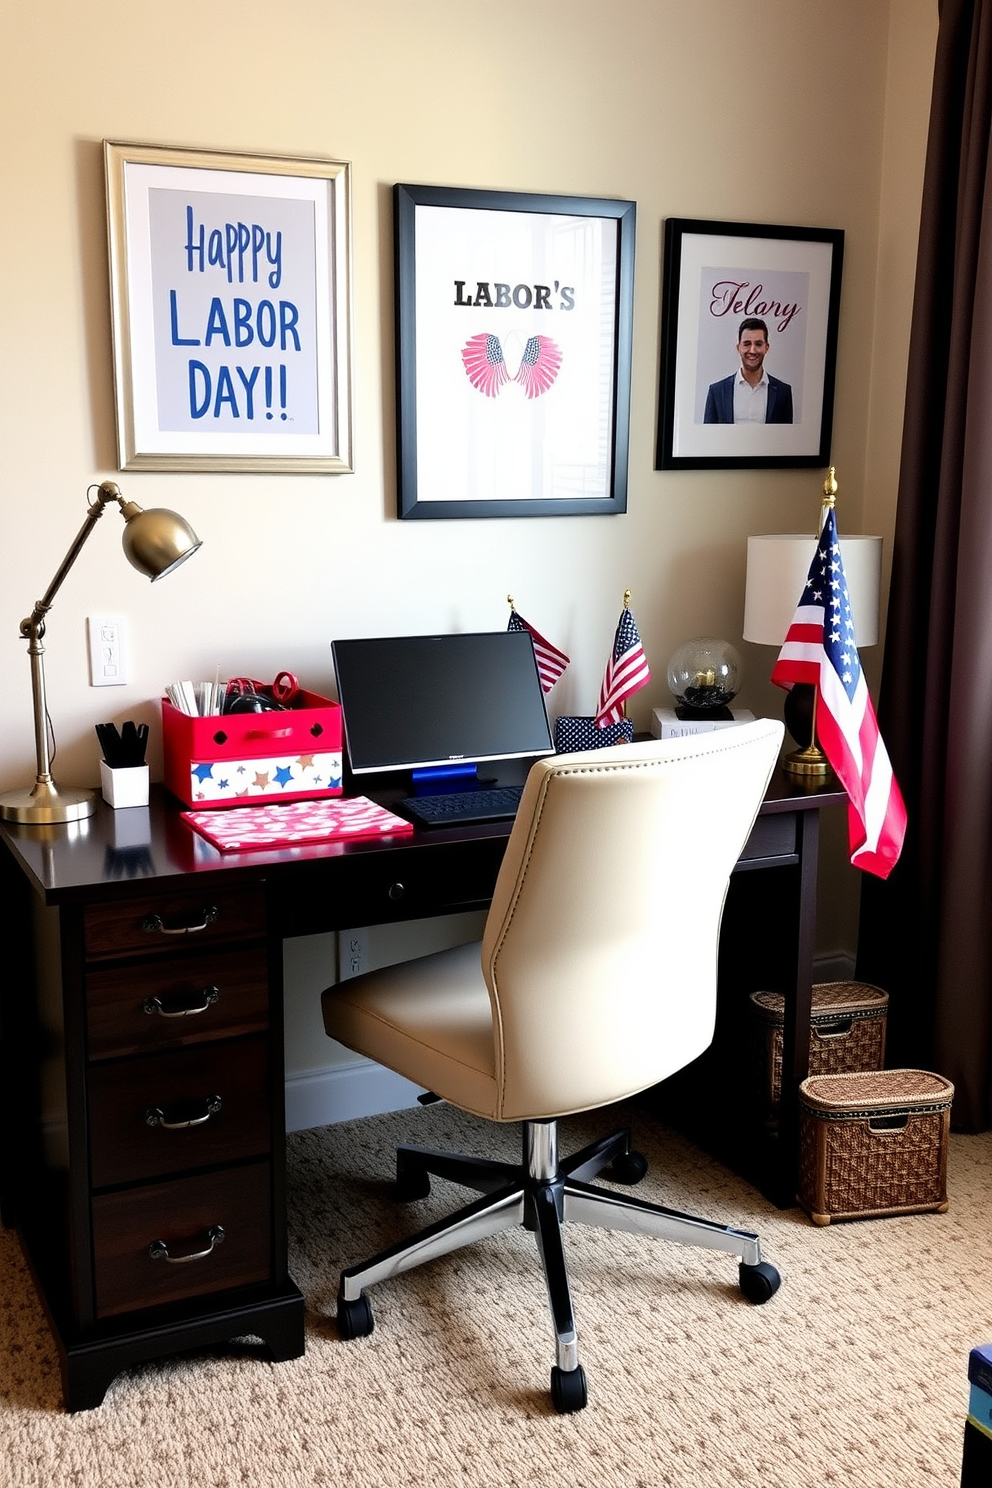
<point>89,1366</point>
<point>795,1033</point>
<point>19,1072</point>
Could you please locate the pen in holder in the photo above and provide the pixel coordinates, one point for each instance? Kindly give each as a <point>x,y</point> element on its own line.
<point>123,772</point>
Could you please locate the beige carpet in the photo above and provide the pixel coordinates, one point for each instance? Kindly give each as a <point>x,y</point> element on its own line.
<point>854,1374</point>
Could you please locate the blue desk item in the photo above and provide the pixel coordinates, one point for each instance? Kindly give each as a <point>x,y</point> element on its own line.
<point>980,1367</point>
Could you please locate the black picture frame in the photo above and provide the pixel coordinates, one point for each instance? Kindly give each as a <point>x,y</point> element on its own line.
<point>514,316</point>
<point>717,274</point>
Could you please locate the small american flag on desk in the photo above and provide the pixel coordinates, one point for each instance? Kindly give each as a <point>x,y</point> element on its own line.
<point>821,648</point>
<point>550,661</point>
<point>626,671</point>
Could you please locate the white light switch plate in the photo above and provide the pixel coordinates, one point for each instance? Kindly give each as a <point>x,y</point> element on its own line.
<point>108,650</point>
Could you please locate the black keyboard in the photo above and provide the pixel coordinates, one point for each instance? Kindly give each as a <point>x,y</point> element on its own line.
<point>498,803</point>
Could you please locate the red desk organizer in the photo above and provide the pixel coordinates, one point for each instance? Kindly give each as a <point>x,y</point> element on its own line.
<point>236,759</point>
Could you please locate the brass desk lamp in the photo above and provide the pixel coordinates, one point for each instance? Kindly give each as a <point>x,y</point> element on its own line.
<point>155,542</point>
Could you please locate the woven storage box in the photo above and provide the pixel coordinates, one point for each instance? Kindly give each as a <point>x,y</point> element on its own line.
<point>873,1143</point>
<point>847,1033</point>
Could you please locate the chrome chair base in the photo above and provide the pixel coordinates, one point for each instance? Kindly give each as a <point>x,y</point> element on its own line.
<point>542,1194</point>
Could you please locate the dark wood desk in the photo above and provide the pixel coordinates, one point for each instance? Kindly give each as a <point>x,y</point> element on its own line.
<point>141,1056</point>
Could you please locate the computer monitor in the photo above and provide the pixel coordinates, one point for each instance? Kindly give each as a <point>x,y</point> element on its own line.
<point>440,704</point>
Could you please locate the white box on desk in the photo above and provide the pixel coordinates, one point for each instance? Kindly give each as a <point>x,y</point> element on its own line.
<point>124,787</point>
<point>666,725</point>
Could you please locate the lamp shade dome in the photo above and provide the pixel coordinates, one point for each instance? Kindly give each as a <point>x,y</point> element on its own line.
<point>156,541</point>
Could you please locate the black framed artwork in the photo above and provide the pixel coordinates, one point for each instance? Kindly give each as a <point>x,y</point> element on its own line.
<point>513,331</point>
<point>748,345</point>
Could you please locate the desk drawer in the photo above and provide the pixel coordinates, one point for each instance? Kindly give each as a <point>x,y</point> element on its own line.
<point>177,1001</point>
<point>166,921</point>
<point>184,1215</point>
<point>772,836</point>
<point>137,1111</point>
<point>376,888</point>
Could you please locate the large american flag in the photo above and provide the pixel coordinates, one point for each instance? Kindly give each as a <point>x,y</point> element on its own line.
<point>626,671</point>
<point>550,661</point>
<point>820,648</point>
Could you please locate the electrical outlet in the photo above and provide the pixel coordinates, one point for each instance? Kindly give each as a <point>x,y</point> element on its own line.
<point>353,953</point>
<point>108,650</point>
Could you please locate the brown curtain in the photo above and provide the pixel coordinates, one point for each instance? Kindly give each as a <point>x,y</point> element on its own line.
<point>926,933</point>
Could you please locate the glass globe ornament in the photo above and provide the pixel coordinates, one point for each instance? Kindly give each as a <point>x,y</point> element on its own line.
<point>704,676</point>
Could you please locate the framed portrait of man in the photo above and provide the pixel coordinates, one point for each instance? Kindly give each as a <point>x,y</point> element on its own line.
<point>748,345</point>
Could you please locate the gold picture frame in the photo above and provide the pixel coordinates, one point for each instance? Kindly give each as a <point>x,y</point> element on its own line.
<point>231,300</point>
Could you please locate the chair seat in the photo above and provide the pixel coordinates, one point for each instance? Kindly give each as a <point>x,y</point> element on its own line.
<point>430,1019</point>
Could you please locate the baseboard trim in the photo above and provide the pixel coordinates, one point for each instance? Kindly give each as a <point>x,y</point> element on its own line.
<point>345,1092</point>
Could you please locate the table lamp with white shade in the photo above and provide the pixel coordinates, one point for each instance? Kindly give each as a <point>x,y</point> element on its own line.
<point>777,568</point>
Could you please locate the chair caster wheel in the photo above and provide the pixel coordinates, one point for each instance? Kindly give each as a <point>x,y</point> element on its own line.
<point>629,1168</point>
<point>568,1389</point>
<point>355,1319</point>
<point>412,1185</point>
<point>759,1283</point>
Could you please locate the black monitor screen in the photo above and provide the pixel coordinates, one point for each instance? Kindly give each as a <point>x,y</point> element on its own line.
<point>414,702</point>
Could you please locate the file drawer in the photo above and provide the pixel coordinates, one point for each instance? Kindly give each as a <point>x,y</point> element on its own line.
<point>176,1001</point>
<point>159,923</point>
<point>173,1112</point>
<point>162,1243</point>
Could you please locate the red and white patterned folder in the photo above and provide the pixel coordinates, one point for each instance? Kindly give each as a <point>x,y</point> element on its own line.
<point>243,827</point>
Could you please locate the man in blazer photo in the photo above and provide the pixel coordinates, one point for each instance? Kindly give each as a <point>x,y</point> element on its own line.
<point>750,395</point>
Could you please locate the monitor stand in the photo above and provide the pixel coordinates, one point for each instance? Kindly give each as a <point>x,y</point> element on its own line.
<point>436,780</point>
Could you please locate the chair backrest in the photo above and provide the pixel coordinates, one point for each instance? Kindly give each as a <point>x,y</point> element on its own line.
<point>600,948</point>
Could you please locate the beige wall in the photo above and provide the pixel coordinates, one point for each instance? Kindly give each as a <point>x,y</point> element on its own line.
<point>789,111</point>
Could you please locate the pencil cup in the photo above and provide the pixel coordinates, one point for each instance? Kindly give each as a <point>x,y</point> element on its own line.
<point>125,787</point>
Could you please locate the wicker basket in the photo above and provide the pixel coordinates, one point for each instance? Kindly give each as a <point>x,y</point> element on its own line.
<point>873,1143</point>
<point>847,1033</point>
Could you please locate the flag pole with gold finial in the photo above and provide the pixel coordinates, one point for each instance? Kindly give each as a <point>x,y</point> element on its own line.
<point>626,605</point>
<point>810,762</point>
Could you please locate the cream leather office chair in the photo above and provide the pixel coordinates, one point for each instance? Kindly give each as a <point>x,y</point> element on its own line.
<point>596,979</point>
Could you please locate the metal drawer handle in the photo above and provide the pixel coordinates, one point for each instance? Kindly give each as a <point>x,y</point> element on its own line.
<point>154,1005</point>
<point>154,924</point>
<point>155,1116</point>
<point>159,1251</point>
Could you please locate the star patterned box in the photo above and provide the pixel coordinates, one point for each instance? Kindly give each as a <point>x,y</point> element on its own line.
<point>234,759</point>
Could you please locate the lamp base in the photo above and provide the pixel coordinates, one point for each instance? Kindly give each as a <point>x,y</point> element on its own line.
<point>46,805</point>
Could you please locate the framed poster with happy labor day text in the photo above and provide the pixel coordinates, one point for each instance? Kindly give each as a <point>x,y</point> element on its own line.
<point>231,301</point>
<point>513,323</point>
<point>748,345</point>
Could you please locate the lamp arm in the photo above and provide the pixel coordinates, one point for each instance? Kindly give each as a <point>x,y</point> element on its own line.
<point>34,624</point>
<point>33,629</point>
